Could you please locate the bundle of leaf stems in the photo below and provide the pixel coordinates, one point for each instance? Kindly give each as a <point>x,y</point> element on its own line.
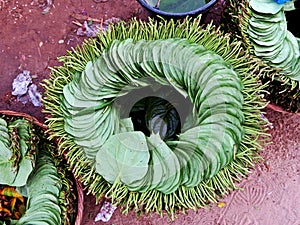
<point>249,69</point>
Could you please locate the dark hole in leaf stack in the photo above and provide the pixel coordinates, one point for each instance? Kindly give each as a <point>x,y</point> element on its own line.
<point>156,115</point>
<point>156,109</point>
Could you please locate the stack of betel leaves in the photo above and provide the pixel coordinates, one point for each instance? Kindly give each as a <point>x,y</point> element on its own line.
<point>145,163</point>
<point>264,29</point>
<point>145,159</point>
<point>32,189</point>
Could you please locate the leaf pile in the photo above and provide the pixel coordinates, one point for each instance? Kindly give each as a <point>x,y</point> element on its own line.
<point>43,189</point>
<point>17,152</point>
<point>29,172</point>
<point>262,27</point>
<point>214,149</point>
<point>201,151</point>
<point>271,39</point>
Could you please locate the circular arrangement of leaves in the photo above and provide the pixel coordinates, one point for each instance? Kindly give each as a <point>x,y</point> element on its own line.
<point>143,163</point>
<point>26,164</point>
<point>214,149</point>
<point>263,28</point>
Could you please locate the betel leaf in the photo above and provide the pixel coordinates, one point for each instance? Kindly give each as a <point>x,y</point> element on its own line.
<point>270,38</point>
<point>15,163</point>
<point>289,6</point>
<point>43,189</point>
<point>123,156</point>
<point>25,169</point>
<point>126,125</point>
<point>265,6</point>
<point>151,2</point>
<point>165,163</point>
<point>7,175</point>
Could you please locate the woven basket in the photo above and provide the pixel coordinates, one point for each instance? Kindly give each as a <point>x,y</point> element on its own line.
<point>80,195</point>
<point>280,109</point>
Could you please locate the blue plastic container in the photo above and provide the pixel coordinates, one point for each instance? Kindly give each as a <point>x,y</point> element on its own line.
<point>194,12</point>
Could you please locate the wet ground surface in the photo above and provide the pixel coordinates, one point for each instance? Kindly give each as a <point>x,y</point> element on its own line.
<point>34,33</point>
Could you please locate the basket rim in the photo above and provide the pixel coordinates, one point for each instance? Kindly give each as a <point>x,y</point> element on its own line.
<point>79,188</point>
<point>278,108</point>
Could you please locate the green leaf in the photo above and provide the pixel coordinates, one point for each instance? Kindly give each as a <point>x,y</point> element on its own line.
<point>43,187</point>
<point>165,164</point>
<point>15,172</point>
<point>265,6</point>
<point>123,156</point>
<point>126,125</point>
<point>289,6</point>
<point>271,40</point>
<point>151,2</point>
<point>6,165</point>
<point>25,169</point>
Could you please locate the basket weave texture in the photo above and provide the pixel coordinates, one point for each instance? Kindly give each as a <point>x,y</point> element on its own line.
<point>80,195</point>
